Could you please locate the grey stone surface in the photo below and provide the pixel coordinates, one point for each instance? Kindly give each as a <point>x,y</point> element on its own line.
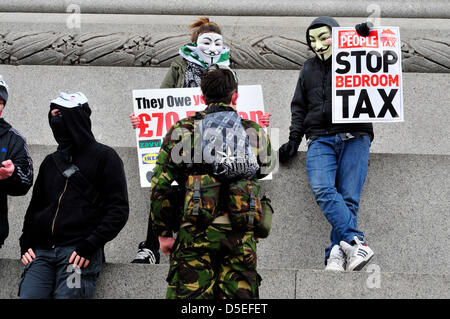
<point>132,281</point>
<point>370,284</point>
<point>405,205</point>
<point>265,51</point>
<point>120,281</point>
<point>414,8</point>
<point>255,44</point>
<point>148,282</point>
<point>10,273</point>
<point>230,25</point>
<point>277,283</point>
<point>109,90</point>
<point>404,210</point>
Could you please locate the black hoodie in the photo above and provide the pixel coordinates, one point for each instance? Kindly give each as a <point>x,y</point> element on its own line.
<point>58,214</point>
<point>13,147</point>
<point>311,112</point>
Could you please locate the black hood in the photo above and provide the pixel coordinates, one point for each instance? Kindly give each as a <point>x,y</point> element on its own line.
<point>320,22</point>
<point>4,126</point>
<point>78,123</point>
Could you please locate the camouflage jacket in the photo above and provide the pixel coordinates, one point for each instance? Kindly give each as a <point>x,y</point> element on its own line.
<point>181,156</point>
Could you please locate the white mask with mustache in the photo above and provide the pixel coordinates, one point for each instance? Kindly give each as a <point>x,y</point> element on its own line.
<point>320,39</point>
<point>210,47</point>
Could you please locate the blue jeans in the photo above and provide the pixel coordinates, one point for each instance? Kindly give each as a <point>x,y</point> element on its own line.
<point>51,276</point>
<point>337,171</point>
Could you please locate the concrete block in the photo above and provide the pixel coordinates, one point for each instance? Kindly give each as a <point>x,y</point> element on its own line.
<point>133,281</point>
<point>415,8</point>
<point>404,209</point>
<point>313,284</point>
<point>10,274</point>
<point>120,281</point>
<point>154,41</point>
<point>109,90</point>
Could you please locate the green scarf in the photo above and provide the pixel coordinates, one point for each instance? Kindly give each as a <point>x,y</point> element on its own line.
<point>189,52</point>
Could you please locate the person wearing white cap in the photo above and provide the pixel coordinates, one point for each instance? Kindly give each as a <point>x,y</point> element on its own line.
<point>79,203</point>
<point>16,166</point>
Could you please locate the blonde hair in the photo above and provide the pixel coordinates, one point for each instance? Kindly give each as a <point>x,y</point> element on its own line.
<point>203,25</point>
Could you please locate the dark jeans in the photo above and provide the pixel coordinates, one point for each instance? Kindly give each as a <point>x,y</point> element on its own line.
<point>50,276</point>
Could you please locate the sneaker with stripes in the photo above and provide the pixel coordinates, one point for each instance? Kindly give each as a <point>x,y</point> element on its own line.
<point>146,255</point>
<point>358,254</point>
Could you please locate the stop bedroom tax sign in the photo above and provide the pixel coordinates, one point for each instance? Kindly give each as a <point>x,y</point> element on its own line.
<point>367,76</point>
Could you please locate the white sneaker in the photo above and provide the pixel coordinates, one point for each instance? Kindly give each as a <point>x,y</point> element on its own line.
<point>336,261</point>
<point>358,255</point>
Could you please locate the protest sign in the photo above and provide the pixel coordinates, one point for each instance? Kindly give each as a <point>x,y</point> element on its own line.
<point>367,76</point>
<point>159,109</point>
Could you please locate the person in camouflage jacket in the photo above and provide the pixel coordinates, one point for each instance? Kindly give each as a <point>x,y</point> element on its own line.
<point>212,260</point>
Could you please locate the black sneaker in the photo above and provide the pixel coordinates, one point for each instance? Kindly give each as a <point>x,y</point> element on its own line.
<point>146,255</point>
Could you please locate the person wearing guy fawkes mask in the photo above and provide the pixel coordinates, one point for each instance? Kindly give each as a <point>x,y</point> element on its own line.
<point>338,154</point>
<point>205,49</point>
<point>195,58</point>
<point>16,166</point>
<point>79,203</point>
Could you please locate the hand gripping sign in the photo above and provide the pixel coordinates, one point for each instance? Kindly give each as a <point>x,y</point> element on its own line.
<point>367,76</point>
<point>159,109</point>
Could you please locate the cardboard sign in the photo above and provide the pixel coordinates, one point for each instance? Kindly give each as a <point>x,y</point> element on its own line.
<point>159,109</point>
<point>367,76</point>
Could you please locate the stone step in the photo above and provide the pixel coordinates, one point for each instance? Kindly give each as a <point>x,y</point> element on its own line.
<point>131,281</point>
<point>396,8</point>
<point>154,40</point>
<point>404,213</point>
<point>109,91</point>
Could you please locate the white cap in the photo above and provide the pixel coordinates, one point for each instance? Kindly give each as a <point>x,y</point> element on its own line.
<point>3,83</point>
<point>70,100</point>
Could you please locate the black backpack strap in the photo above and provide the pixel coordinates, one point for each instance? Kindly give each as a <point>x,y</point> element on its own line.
<point>196,197</point>
<point>73,173</point>
<point>252,208</point>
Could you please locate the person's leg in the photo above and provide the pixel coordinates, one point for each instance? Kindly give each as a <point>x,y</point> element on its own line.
<point>191,274</point>
<point>38,278</point>
<point>321,166</point>
<point>148,250</point>
<point>353,165</point>
<point>151,240</point>
<point>75,283</point>
<point>351,174</point>
<point>237,277</point>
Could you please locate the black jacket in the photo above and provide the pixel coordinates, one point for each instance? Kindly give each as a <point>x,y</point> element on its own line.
<point>13,147</point>
<point>58,213</point>
<point>311,105</point>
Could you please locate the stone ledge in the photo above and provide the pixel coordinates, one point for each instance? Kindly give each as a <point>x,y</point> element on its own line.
<point>385,8</point>
<point>116,40</point>
<point>404,209</point>
<point>109,92</point>
<point>126,281</point>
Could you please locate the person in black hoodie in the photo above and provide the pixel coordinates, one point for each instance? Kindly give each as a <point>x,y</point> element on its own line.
<point>338,154</point>
<point>79,203</point>
<point>16,166</point>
